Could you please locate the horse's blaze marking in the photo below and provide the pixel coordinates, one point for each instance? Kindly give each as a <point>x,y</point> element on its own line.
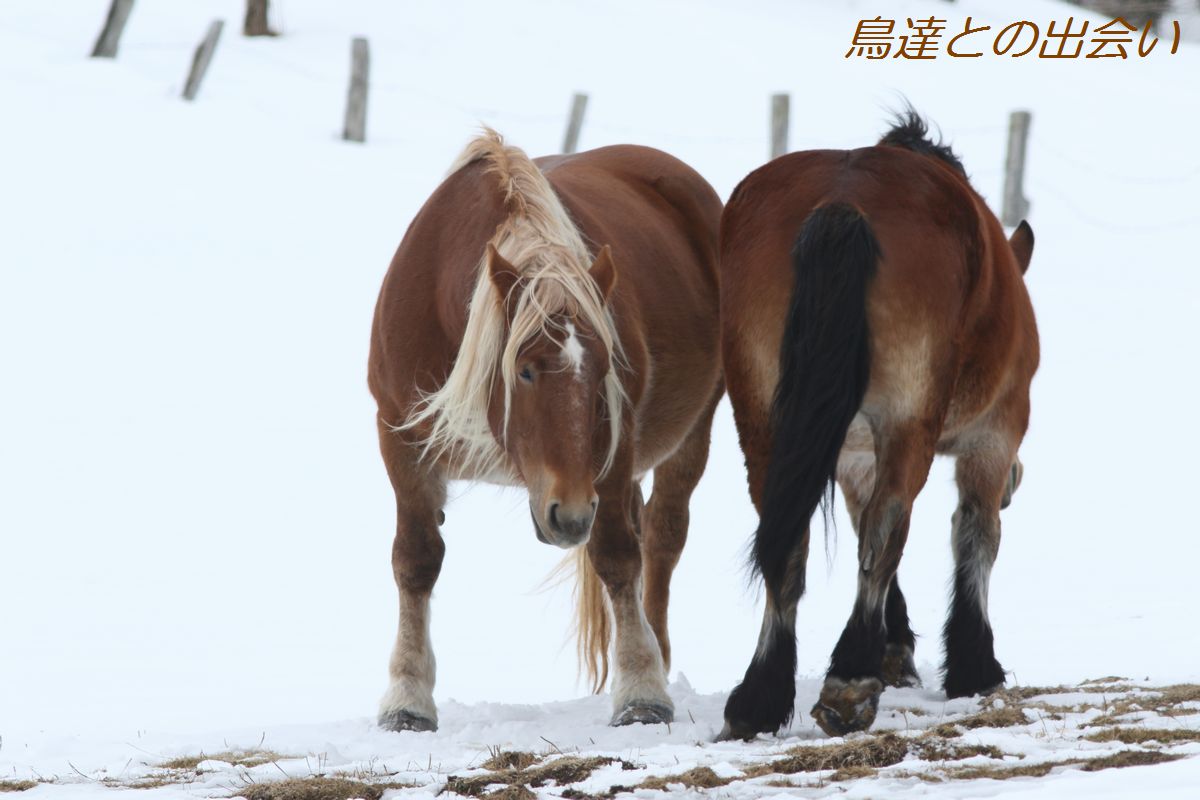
<point>573,350</point>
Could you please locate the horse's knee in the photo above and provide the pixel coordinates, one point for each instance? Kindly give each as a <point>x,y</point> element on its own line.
<point>664,530</point>
<point>417,555</point>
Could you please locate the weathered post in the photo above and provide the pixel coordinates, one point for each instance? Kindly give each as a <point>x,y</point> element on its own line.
<point>256,22</point>
<point>1016,206</point>
<point>779,124</point>
<point>202,58</point>
<point>114,25</point>
<point>579,103</point>
<point>355,129</point>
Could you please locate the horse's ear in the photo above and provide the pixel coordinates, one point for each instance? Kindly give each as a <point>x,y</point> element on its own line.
<point>1022,245</point>
<point>604,273</point>
<point>503,274</point>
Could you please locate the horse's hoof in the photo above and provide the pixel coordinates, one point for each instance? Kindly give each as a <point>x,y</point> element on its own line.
<point>976,679</point>
<point>847,706</point>
<point>647,713</point>
<point>406,721</point>
<point>737,731</point>
<point>898,667</point>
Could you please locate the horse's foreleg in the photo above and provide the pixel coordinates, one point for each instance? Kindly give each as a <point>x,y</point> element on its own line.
<point>854,683</point>
<point>983,475</point>
<point>416,562</point>
<point>664,523</point>
<point>640,683</point>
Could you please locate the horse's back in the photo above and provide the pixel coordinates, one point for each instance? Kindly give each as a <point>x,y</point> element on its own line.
<point>661,219</point>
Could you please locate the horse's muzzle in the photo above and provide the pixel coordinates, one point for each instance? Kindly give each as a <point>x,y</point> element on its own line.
<point>564,526</point>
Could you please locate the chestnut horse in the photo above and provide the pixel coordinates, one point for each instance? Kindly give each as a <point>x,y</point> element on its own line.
<point>873,314</point>
<point>553,324</point>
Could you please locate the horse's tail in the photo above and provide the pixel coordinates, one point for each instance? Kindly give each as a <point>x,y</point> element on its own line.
<point>593,624</point>
<point>824,367</point>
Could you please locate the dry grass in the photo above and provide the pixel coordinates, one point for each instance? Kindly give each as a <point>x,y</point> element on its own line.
<point>1129,758</point>
<point>16,786</point>
<point>1003,773</point>
<point>238,758</point>
<point>1178,694</point>
<point>698,778</point>
<point>853,773</point>
<point>1003,717</point>
<point>1143,735</point>
<point>509,759</point>
<point>315,788</point>
<point>880,750</point>
<point>931,748</point>
<point>1125,758</point>
<point>563,771</point>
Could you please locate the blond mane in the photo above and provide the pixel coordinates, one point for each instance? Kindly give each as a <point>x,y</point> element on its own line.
<point>539,239</point>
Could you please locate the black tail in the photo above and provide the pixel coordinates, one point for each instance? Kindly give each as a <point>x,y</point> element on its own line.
<point>824,364</point>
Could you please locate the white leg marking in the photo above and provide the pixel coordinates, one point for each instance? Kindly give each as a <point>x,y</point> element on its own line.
<point>974,556</point>
<point>772,620</point>
<point>640,674</point>
<point>412,668</point>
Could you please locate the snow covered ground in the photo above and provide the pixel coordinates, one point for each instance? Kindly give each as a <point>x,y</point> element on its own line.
<point>194,524</point>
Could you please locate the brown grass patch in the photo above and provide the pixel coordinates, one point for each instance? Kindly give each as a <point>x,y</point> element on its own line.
<point>507,759</point>
<point>1129,758</point>
<point>853,773</point>
<point>1108,679</point>
<point>931,748</point>
<point>1125,758</point>
<point>947,730</point>
<point>880,750</point>
<point>16,786</point>
<point>1178,694</point>
<point>315,788</point>
<point>563,771</point>
<point>999,773</point>
<point>239,758</point>
<point>698,778</point>
<point>1003,717</point>
<point>1143,735</point>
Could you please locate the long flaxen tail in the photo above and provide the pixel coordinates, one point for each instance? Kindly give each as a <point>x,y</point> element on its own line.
<point>825,364</point>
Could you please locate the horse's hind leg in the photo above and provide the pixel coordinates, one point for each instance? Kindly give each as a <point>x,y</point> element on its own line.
<point>856,476</point>
<point>416,562</point>
<point>850,696</point>
<point>983,473</point>
<point>763,702</point>
<point>664,522</point>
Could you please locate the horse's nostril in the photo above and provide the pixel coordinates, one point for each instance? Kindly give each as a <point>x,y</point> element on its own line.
<point>554,516</point>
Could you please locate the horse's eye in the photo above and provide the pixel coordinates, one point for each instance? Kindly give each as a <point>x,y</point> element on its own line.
<point>526,374</point>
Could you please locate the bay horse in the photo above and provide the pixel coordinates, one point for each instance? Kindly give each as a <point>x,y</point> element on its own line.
<point>873,314</point>
<point>553,324</point>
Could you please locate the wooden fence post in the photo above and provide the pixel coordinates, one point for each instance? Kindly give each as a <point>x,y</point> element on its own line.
<point>114,26</point>
<point>779,124</point>
<point>1016,206</point>
<point>202,58</point>
<point>575,123</point>
<point>256,22</point>
<point>355,129</point>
